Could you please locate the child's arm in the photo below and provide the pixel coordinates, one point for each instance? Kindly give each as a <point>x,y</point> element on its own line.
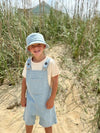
<point>23,92</point>
<point>50,102</point>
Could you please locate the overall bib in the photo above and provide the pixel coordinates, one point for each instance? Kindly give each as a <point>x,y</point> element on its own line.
<point>38,92</point>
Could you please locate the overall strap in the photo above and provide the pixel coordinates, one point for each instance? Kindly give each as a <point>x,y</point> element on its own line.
<point>45,66</point>
<point>28,64</point>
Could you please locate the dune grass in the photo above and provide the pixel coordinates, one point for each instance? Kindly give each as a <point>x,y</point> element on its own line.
<point>80,36</point>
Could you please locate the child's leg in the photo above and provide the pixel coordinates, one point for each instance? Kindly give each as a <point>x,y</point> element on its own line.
<point>48,130</point>
<point>29,129</point>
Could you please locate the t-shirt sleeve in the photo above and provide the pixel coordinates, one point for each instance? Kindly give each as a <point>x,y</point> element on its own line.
<point>54,68</point>
<point>24,71</point>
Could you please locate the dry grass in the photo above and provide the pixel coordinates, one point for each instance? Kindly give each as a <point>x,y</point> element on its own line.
<point>81,39</point>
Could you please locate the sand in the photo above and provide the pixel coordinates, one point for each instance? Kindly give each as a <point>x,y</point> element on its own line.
<point>70,115</point>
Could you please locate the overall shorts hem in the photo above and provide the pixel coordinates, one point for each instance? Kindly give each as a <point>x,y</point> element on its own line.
<point>31,121</point>
<point>48,125</point>
<point>29,124</point>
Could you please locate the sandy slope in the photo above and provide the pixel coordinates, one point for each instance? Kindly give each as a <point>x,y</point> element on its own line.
<point>69,112</point>
<point>69,117</point>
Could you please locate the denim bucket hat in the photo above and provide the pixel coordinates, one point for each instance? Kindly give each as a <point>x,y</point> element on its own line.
<point>35,38</point>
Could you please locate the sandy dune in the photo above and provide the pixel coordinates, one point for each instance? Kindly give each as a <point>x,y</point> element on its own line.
<point>69,117</point>
<point>68,106</point>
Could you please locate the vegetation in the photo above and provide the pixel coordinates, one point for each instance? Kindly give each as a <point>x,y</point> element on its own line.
<point>81,36</point>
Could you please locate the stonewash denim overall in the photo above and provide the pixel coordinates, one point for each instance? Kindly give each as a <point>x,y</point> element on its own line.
<point>38,92</point>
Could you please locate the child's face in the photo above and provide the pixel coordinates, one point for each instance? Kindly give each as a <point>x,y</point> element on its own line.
<point>36,49</point>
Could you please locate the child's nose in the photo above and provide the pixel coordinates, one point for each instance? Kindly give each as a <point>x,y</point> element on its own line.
<point>35,46</point>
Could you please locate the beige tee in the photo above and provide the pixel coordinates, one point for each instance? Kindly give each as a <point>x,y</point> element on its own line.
<point>52,68</point>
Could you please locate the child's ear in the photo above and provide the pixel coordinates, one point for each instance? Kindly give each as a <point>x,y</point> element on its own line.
<point>28,48</point>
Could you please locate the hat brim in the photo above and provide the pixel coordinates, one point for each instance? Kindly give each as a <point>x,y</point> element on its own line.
<point>32,43</point>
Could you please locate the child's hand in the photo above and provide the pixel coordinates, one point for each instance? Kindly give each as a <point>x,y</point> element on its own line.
<point>23,102</point>
<point>50,103</point>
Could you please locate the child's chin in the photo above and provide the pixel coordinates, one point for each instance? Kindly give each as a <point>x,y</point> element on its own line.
<point>36,54</point>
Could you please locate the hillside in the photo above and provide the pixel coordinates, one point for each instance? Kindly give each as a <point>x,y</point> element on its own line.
<point>45,8</point>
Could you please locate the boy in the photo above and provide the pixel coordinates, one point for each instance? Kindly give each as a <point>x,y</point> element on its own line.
<point>39,84</point>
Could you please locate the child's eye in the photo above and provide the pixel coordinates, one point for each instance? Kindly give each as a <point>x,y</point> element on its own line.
<point>39,45</point>
<point>32,46</point>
